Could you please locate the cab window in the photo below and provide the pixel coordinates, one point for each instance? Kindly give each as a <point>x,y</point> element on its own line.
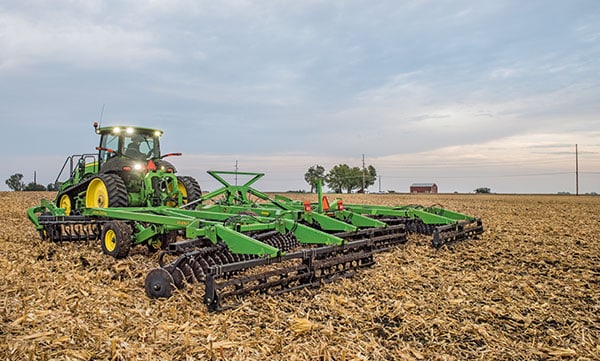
<point>139,146</point>
<point>109,141</point>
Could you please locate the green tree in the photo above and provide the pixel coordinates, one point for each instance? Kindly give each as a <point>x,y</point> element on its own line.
<point>34,187</point>
<point>483,190</point>
<point>370,177</point>
<point>338,178</point>
<point>355,178</point>
<point>343,178</point>
<point>313,174</point>
<point>15,182</point>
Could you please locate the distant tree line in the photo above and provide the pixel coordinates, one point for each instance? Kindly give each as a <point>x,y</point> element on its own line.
<point>15,182</point>
<point>341,178</point>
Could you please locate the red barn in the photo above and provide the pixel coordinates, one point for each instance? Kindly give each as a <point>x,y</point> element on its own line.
<point>423,188</point>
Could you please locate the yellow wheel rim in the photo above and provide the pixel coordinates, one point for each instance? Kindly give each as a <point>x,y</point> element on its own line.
<point>110,240</point>
<point>182,190</point>
<point>65,202</point>
<point>96,195</point>
<point>156,245</point>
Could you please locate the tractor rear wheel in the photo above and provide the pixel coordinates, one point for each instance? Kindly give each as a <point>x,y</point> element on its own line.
<point>189,188</point>
<point>106,190</point>
<point>116,239</point>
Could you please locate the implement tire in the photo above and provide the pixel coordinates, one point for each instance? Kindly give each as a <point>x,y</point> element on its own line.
<point>106,190</point>
<point>66,203</point>
<point>116,239</point>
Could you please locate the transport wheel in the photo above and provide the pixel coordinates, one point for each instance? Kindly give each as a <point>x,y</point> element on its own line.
<point>106,190</point>
<point>116,239</point>
<point>45,234</point>
<point>66,203</point>
<point>162,241</point>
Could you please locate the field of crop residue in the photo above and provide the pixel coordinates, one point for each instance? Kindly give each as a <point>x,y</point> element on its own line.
<point>527,289</point>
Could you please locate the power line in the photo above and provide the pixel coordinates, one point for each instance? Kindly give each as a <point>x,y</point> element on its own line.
<point>488,176</point>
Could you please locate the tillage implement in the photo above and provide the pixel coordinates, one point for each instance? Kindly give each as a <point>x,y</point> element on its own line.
<point>235,240</point>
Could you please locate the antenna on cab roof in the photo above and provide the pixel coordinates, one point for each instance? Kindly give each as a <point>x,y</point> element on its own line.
<point>97,124</point>
<point>101,115</point>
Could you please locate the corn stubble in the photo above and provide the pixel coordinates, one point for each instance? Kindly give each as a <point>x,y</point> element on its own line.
<point>527,289</point>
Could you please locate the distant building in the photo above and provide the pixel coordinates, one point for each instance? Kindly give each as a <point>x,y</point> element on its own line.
<point>423,188</point>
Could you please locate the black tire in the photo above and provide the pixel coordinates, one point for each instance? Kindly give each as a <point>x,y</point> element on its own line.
<point>192,188</point>
<point>116,239</point>
<point>116,191</point>
<point>65,201</point>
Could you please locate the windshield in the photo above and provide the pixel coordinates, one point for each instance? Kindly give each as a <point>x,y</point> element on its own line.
<point>140,146</point>
<point>135,146</point>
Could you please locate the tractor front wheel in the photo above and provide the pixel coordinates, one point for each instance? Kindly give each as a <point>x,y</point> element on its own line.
<point>116,239</point>
<point>106,190</point>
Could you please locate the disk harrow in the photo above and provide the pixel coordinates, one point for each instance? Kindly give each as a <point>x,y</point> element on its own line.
<point>237,240</point>
<point>225,277</point>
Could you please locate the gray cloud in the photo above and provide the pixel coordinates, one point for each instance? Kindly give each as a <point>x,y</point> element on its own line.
<point>317,79</point>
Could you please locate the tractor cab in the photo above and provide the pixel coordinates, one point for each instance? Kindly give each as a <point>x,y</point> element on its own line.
<point>131,142</point>
<point>124,148</point>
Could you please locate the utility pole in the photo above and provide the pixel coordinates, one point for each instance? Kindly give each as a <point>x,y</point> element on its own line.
<point>236,169</point>
<point>379,178</point>
<point>576,170</point>
<point>363,171</point>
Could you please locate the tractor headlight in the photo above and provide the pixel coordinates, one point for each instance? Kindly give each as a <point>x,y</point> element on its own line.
<point>138,166</point>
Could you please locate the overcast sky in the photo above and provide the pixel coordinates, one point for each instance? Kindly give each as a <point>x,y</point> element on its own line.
<point>461,93</point>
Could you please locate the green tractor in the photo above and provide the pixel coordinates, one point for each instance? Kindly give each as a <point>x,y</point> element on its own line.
<point>128,171</point>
